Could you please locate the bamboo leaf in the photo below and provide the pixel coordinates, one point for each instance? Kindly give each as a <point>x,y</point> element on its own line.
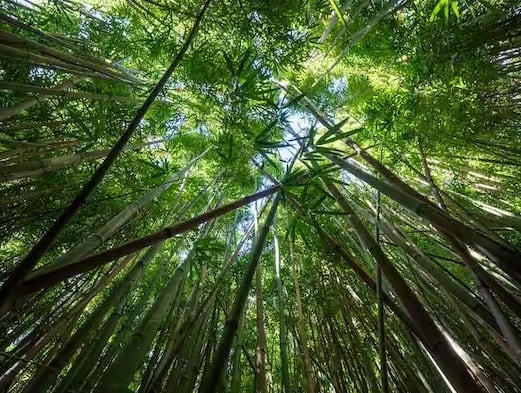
<point>437,9</point>
<point>455,8</point>
<point>338,136</point>
<point>333,130</point>
<point>229,63</point>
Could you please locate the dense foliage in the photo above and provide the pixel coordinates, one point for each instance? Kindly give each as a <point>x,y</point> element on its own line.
<point>260,195</point>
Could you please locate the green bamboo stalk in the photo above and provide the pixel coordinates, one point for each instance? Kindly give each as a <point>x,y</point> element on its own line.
<point>73,94</point>
<point>306,358</point>
<point>7,378</point>
<point>260,350</point>
<point>453,288</point>
<point>21,106</point>
<point>381,310</point>
<point>283,334</point>
<point>121,371</point>
<point>118,221</point>
<point>210,383</point>
<point>447,359</point>
<point>17,41</point>
<point>39,167</point>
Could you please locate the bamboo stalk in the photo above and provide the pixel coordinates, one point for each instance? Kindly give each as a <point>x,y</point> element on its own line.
<point>504,257</point>
<point>17,41</point>
<point>48,92</point>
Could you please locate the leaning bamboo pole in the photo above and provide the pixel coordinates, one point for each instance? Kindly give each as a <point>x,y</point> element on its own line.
<point>447,359</point>
<point>36,282</point>
<point>35,168</point>
<point>310,384</point>
<point>121,371</point>
<point>408,319</point>
<point>7,113</point>
<point>115,223</point>
<point>15,41</point>
<point>73,94</point>
<point>505,257</point>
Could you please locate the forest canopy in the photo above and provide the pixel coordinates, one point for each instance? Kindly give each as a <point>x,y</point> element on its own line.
<point>260,196</point>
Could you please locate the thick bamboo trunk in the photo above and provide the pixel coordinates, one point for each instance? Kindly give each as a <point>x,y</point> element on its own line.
<point>210,382</point>
<point>510,334</point>
<point>453,288</point>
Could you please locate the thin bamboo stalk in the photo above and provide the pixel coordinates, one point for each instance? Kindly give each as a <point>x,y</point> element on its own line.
<point>19,107</point>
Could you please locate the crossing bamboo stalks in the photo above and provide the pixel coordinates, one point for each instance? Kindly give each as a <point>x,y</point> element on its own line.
<point>15,41</point>
<point>37,282</point>
<point>48,165</point>
<point>417,325</point>
<point>21,106</point>
<point>448,360</point>
<point>7,378</point>
<point>504,257</point>
<point>118,376</point>
<point>73,94</point>
<point>115,223</point>
<point>32,258</point>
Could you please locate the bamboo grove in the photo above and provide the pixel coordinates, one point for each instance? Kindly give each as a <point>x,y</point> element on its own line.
<point>260,196</point>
